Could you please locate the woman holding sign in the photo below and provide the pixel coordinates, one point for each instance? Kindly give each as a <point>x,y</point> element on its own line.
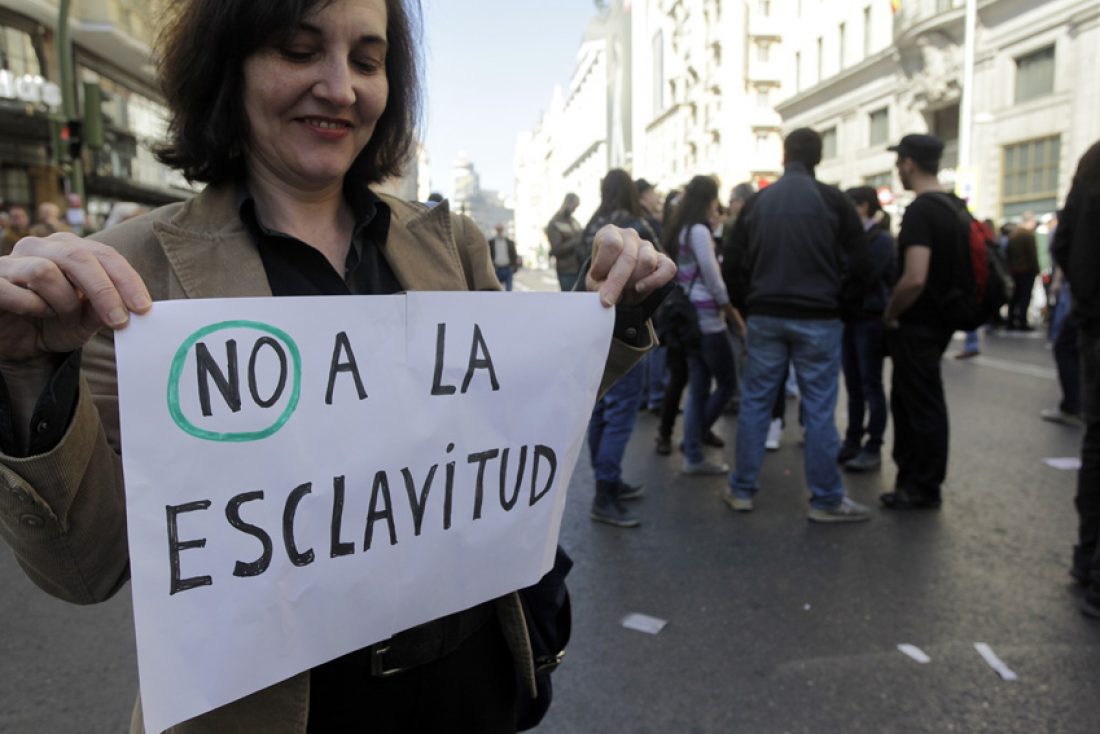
<point>289,111</point>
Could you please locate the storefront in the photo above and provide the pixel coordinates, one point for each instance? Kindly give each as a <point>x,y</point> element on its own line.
<point>28,102</point>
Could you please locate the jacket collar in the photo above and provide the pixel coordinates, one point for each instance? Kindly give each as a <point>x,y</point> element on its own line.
<point>214,256</point>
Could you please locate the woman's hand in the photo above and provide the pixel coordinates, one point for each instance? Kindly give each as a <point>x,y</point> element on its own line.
<point>57,292</point>
<point>733,316</point>
<point>625,268</point>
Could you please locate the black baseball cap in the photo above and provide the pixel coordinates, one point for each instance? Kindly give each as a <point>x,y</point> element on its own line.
<point>919,147</point>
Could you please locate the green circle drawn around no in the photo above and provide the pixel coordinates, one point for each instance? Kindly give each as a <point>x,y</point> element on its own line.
<point>180,360</point>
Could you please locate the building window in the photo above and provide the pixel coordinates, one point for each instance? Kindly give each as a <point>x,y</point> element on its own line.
<point>879,127</point>
<point>1035,75</point>
<point>763,51</point>
<point>763,96</point>
<point>867,31</point>
<point>15,186</point>
<point>840,46</point>
<point>762,143</point>
<point>942,5</point>
<point>765,8</point>
<point>17,52</point>
<point>828,143</point>
<point>797,71</point>
<point>945,123</point>
<point>820,58</point>
<point>658,73</point>
<point>880,180</point>
<point>1030,176</point>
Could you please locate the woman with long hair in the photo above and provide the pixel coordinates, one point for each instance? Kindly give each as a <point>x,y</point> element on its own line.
<point>1076,252</point>
<point>690,243</point>
<point>862,346</point>
<point>615,414</point>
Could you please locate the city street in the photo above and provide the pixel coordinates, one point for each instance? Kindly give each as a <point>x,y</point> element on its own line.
<point>774,624</point>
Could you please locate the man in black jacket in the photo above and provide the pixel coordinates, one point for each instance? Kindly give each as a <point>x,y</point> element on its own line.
<point>1076,252</point>
<point>797,260</point>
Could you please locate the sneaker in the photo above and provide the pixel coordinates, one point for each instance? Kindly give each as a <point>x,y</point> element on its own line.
<point>703,468</point>
<point>847,452</point>
<point>1057,415</point>
<point>664,445</point>
<point>607,508</point>
<point>968,354</point>
<point>864,461</point>
<point>710,438</point>
<point>630,491</point>
<point>737,504</point>
<point>847,511</point>
<point>775,431</point>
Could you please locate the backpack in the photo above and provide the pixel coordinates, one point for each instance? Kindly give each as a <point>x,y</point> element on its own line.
<point>980,277</point>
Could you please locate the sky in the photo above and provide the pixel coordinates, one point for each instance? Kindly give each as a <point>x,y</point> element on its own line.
<point>490,71</point>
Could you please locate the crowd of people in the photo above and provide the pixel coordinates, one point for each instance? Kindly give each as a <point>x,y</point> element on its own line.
<point>798,285</point>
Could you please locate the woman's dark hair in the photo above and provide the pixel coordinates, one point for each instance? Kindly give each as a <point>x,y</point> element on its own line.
<point>1087,175</point>
<point>203,49</point>
<point>618,193</point>
<point>700,192</point>
<point>865,195</point>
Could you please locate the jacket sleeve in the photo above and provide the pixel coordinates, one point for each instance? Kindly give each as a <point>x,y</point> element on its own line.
<point>736,260</point>
<point>856,256</point>
<point>1063,235</point>
<point>63,512</point>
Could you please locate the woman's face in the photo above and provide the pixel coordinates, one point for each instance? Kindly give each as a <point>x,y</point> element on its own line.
<point>313,101</point>
<point>713,213</point>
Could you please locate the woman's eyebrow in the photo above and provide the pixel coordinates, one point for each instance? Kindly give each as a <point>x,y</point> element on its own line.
<point>367,39</point>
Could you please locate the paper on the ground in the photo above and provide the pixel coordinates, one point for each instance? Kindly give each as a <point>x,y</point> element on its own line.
<point>994,662</point>
<point>307,476</point>
<point>1068,463</point>
<point>644,623</point>
<point>915,652</point>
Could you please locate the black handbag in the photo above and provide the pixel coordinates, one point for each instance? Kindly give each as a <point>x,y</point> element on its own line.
<point>549,623</point>
<point>677,321</point>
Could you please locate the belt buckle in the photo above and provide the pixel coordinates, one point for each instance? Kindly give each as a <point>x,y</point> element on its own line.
<point>377,666</point>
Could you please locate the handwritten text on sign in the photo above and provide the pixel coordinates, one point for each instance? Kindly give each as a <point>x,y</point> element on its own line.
<point>308,476</point>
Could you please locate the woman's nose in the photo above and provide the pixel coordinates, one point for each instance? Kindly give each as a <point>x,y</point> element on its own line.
<point>334,84</point>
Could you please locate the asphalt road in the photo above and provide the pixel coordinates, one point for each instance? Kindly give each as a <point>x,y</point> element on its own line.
<point>774,624</point>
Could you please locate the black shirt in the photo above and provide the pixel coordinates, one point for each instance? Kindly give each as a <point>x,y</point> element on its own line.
<point>932,224</point>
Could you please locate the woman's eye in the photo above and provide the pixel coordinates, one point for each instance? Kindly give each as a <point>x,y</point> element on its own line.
<point>296,54</point>
<point>368,66</point>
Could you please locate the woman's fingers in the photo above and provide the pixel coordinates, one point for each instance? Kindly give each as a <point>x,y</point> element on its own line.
<point>626,267</point>
<point>106,280</point>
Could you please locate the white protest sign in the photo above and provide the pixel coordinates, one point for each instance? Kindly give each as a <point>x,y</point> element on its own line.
<point>308,476</point>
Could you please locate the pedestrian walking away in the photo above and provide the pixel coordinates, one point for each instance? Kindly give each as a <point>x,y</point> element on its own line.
<point>798,262</point>
<point>565,235</point>
<point>316,103</point>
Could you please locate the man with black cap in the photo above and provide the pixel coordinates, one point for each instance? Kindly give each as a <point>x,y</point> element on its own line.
<point>917,334</point>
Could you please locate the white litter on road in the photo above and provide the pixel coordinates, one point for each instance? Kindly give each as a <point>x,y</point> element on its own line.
<point>1069,463</point>
<point>644,623</point>
<point>915,652</point>
<point>994,662</point>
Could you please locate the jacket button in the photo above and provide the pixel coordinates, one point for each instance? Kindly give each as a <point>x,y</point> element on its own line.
<point>32,521</point>
<point>631,333</point>
<point>42,427</point>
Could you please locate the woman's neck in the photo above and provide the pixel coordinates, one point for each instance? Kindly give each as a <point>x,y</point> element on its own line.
<point>321,218</point>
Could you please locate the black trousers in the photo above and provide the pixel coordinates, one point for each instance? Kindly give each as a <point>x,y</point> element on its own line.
<point>1086,555</point>
<point>1021,299</point>
<point>471,690</point>
<point>676,360</point>
<point>919,408</point>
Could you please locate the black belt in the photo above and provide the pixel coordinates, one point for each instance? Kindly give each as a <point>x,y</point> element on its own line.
<point>427,642</point>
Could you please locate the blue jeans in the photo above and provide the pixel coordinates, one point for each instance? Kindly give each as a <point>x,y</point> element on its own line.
<point>714,359</point>
<point>862,354</point>
<point>813,346</point>
<point>654,362</point>
<point>973,342</point>
<point>504,275</point>
<point>612,424</point>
